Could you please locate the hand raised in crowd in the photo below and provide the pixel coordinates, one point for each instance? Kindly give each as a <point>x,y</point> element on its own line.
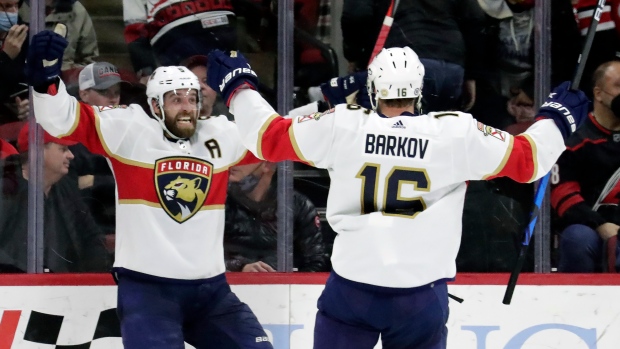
<point>607,230</point>
<point>259,266</point>
<point>14,40</point>
<point>521,107</point>
<point>23,108</point>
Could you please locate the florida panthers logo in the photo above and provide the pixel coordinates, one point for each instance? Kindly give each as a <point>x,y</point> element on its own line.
<point>182,185</point>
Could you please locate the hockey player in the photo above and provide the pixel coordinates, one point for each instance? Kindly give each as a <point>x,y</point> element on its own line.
<point>397,190</point>
<point>171,172</point>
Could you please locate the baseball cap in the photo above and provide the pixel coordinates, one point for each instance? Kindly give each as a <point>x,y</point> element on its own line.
<point>99,76</point>
<point>22,139</point>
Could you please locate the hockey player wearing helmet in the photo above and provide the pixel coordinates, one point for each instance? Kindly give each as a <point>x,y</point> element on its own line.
<point>171,171</point>
<point>396,75</point>
<point>174,98</point>
<point>395,177</point>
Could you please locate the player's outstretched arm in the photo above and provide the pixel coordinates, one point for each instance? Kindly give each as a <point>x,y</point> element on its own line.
<point>530,155</point>
<point>265,133</point>
<point>54,108</point>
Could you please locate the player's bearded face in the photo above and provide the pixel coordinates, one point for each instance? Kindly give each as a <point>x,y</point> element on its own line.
<point>181,110</point>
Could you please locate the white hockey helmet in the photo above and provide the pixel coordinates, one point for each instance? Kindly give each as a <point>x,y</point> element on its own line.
<point>166,79</point>
<point>395,73</point>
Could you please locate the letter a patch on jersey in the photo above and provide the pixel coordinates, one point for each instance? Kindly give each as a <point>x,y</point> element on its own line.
<point>182,184</point>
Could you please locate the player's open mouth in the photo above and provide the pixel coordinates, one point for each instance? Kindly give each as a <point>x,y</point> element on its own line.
<point>184,120</point>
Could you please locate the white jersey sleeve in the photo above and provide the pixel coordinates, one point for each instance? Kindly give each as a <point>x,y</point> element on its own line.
<point>488,152</point>
<point>272,137</point>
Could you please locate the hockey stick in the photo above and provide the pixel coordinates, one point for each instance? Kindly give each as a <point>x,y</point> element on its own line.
<point>385,29</point>
<point>542,186</point>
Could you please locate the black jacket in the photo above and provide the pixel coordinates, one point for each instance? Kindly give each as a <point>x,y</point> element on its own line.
<point>591,158</point>
<point>73,242</point>
<point>13,81</point>
<point>250,234</point>
<point>447,30</point>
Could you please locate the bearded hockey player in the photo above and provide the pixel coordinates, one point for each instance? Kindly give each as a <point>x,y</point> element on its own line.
<point>171,171</point>
<point>397,190</point>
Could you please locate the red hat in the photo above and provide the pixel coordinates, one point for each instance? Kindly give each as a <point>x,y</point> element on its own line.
<point>22,139</point>
<point>6,149</point>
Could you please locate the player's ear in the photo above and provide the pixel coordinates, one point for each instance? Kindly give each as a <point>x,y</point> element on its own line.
<point>155,106</point>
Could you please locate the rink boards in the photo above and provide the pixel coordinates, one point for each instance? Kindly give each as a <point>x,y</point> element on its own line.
<point>547,311</point>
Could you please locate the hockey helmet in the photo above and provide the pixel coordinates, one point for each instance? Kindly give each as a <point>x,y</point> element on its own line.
<point>395,73</point>
<point>166,79</point>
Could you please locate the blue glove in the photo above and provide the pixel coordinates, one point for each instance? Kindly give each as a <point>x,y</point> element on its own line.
<point>44,58</point>
<point>227,73</point>
<point>350,89</point>
<point>567,108</point>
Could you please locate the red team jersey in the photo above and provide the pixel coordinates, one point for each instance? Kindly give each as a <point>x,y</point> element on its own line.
<point>170,195</point>
<point>397,184</point>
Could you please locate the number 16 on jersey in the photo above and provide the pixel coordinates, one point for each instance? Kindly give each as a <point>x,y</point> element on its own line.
<point>393,202</point>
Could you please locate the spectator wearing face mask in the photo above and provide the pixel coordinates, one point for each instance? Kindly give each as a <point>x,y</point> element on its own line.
<point>82,48</point>
<point>586,189</point>
<point>250,233</point>
<point>13,42</point>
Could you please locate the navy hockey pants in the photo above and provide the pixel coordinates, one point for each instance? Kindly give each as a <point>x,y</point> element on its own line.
<point>162,315</point>
<point>352,315</point>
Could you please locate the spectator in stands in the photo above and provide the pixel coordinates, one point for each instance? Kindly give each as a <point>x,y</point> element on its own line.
<point>13,89</point>
<point>585,189</point>
<point>250,233</point>
<point>167,32</point>
<point>82,49</point>
<point>445,35</point>
<point>99,85</point>
<point>505,90</point>
<point>211,103</point>
<point>73,242</point>
<point>606,43</point>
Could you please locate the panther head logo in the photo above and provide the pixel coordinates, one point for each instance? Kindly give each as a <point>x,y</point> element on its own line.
<point>182,185</point>
<point>186,194</point>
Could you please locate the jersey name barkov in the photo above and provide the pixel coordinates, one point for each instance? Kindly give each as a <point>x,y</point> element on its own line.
<point>405,147</point>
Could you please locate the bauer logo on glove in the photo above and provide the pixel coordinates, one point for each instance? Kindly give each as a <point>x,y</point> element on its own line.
<point>566,107</point>
<point>226,73</point>
<point>232,74</point>
<point>563,110</point>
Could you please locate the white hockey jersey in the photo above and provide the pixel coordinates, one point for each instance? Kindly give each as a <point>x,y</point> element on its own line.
<point>397,184</point>
<point>170,195</point>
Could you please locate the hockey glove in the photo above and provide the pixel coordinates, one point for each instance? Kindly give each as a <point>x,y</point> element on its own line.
<point>350,89</point>
<point>566,107</point>
<point>44,59</point>
<point>228,73</point>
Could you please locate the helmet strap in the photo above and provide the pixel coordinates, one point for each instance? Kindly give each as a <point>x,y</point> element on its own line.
<point>161,118</point>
